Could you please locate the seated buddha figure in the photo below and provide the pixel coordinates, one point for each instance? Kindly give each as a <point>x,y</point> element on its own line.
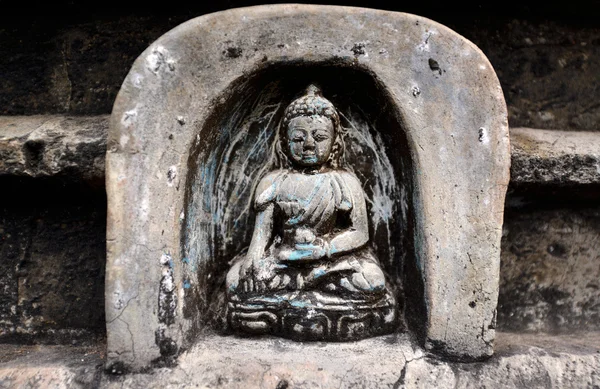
<point>309,257</point>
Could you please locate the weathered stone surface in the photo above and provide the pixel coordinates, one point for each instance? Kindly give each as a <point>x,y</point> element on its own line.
<point>549,278</point>
<point>520,362</point>
<point>172,113</point>
<point>85,79</point>
<point>52,259</point>
<point>41,146</point>
<point>547,70</point>
<point>50,366</point>
<point>554,157</point>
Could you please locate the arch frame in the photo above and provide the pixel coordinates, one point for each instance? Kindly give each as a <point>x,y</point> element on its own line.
<point>455,122</point>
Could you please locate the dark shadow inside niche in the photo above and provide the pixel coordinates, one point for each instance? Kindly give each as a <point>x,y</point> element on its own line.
<point>234,149</point>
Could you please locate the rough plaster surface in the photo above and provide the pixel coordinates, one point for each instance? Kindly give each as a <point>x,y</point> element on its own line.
<point>448,99</point>
<point>386,362</point>
<point>521,361</point>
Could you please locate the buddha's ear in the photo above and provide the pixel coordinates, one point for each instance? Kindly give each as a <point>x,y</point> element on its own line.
<point>337,149</point>
<point>281,158</point>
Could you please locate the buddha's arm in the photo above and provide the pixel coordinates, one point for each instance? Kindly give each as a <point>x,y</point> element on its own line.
<point>260,239</point>
<point>358,234</point>
<point>263,228</point>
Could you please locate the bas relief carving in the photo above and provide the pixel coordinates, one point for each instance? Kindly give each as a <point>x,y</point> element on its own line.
<point>310,273</point>
<point>201,164</point>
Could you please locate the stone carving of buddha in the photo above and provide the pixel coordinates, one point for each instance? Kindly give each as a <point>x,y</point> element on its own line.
<point>309,273</point>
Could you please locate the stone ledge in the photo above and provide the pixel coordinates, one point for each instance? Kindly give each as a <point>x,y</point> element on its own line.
<point>41,146</point>
<point>554,157</point>
<point>521,360</point>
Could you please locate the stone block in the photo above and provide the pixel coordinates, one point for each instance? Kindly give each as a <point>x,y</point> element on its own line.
<point>549,273</point>
<point>538,157</point>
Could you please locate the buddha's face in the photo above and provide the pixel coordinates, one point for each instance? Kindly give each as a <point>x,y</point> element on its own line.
<point>309,140</point>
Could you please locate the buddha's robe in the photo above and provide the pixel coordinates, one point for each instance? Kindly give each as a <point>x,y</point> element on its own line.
<point>307,209</point>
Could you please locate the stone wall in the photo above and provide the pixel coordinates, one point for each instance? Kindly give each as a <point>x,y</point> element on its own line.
<point>73,62</point>
<point>52,251</point>
<point>52,219</point>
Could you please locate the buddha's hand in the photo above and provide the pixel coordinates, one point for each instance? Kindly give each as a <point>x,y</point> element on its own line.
<point>302,252</point>
<point>256,274</point>
<point>245,270</point>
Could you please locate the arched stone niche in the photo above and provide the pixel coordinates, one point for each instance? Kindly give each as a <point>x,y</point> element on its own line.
<point>430,102</point>
<point>224,170</point>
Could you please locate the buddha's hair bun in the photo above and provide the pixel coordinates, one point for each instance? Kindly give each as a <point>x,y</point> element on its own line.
<point>310,104</point>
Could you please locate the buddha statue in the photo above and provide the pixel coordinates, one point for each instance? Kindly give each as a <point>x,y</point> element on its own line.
<point>309,273</point>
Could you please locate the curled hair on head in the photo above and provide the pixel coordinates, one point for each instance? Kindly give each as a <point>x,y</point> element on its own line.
<point>312,103</point>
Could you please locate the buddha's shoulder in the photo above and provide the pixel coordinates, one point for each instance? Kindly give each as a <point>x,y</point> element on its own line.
<point>268,187</point>
<point>348,178</point>
<point>271,178</point>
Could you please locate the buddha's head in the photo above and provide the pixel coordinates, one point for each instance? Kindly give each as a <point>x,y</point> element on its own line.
<point>309,131</point>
